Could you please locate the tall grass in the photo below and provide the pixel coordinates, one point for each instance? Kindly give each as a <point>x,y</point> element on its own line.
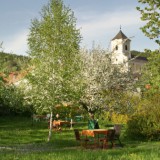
<point>20,139</point>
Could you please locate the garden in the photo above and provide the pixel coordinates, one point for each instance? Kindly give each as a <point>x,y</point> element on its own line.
<point>21,139</point>
<point>63,87</point>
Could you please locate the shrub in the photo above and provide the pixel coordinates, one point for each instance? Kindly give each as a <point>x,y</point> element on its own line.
<point>145,122</point>
<point>12,101</point>
<point>119,118</point>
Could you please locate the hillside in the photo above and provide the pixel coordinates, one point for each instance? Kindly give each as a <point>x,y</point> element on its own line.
<point>12,62</point>
<point>140,54</point>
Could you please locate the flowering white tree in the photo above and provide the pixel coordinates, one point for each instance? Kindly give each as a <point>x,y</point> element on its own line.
<point>104,82</point>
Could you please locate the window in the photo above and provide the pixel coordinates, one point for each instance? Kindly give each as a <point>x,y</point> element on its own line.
<point>126,48</point>
<point>116,47</point>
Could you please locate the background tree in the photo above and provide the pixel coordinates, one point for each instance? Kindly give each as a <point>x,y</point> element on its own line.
<point>144,122</point>
<point>11,100</point>
<point>104,83</point>
<point>151,14</point>
<point>150,79</point>
<point>54,48</point>
<point>150,75</point>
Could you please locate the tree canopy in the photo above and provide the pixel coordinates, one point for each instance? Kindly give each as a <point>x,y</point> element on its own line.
<point>54,49</point>
<point>150,80</point>
<point>151,15</point>
<point>104,82</point>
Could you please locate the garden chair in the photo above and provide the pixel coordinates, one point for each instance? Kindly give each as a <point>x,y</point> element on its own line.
<point>108,138</point>
<point>117,128</point>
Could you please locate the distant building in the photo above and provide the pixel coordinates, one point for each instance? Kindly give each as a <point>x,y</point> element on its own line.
<point>120,50</point>
<point>136,64</point>
<point>121,54</point>
<point>13,77</point>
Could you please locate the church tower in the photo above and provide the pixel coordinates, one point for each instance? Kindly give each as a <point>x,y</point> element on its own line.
<point>120,49</point>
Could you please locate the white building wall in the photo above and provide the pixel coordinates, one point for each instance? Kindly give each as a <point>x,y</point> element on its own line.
<point>120,54</point>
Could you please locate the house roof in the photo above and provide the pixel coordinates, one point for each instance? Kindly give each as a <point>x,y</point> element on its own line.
<point>13,77</point>
<point>120,35</point>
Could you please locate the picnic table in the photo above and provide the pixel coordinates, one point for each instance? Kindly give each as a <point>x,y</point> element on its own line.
<point>96,134</point>
<point>60,123</point>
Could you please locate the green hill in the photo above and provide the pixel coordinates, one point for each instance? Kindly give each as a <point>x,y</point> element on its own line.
<point>12,62</point>
<point>141,54</point>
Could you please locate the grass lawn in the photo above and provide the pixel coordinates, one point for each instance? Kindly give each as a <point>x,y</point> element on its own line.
<point>20,139</point>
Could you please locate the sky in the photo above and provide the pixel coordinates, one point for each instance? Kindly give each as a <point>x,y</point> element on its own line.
<point>98,20</point>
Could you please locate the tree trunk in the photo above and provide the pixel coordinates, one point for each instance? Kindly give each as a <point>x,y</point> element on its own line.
<point>50,127</point>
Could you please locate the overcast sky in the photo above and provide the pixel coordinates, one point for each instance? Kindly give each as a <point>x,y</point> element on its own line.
<point>99,21</point>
